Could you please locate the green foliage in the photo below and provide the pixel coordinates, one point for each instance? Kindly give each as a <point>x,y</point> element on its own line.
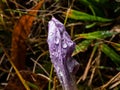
<point>82,46</point>
<point>116,46</point>
<point>78,15</point>
<point>111,54</point>
<point>96,35</point>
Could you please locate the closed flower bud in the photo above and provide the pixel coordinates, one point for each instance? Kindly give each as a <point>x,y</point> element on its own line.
<point>61,47</point>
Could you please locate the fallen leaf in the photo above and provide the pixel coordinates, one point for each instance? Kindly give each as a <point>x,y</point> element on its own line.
<point>19,36</point>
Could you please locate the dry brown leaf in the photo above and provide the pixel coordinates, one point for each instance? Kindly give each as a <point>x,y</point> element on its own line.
<point>19,36</point>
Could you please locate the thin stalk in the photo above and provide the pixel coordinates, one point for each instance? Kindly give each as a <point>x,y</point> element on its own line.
<point>49,85</point>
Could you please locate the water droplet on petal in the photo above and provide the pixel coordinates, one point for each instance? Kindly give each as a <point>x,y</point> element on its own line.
<point>56,40</point>
<point>70,43</point>
<point>53,48</point>
<point>56,54</point>
<point>51,34</point>
<point>64,45</point>
<point>53,54</point>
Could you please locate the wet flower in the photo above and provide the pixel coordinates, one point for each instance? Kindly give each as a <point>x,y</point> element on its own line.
<point>61,47</point>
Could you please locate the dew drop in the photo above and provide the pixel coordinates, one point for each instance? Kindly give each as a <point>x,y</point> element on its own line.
<point>60,74</point>
<point>70,43</point>
<point>64,45</point>
<point>56,54</point>
<point>53,54</point>
<point>51,34</point>
<point>53,48</point>
<point>56,40</point>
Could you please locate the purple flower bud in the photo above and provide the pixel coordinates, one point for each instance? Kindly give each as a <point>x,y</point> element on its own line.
<point>61,47</point>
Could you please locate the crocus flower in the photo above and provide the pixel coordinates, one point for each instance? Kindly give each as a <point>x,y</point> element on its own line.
<point>61,47</point>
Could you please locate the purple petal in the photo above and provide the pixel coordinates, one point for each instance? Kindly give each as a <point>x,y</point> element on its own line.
<point>61,47</point>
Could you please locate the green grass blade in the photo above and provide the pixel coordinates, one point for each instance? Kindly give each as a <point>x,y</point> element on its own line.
<point>111,54</point>
<point>116,46</point>
<point>78,15</point>
<point>90,25</point>
<point>96,35</point>
<point>82,46</point>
